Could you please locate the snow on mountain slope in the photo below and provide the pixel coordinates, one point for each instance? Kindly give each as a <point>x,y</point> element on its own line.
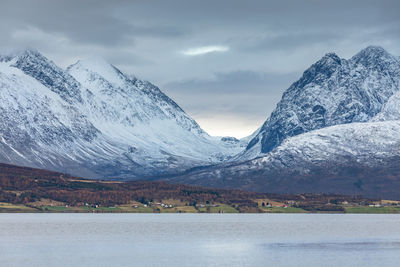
<point>34,119</point>
<point>93,120</point>
<point>335,159</point>
<point>391,109</point>
<point>332,91</point>
<point>365,142</point>
<point>32,63</point>
<point>126,108</point>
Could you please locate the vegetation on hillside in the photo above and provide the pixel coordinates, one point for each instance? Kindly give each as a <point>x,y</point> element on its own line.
<point>25,189</point>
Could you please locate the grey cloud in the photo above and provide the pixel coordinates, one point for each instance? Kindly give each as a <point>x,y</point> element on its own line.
<point>242,93</point>
<point>286,40</point>
<point>271,42</point>
<point>235,82</point>
<point>82,21</point>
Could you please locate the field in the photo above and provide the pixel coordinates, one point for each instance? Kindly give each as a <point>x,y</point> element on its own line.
<point>9,207</point>
<point>283,210</point>
<point>220,208</point>
<point>215,208</point>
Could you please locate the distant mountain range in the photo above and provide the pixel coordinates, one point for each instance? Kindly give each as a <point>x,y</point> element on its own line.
<point>336,129</point>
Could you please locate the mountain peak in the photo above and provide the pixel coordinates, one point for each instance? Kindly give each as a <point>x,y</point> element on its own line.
<point>375,57</point>
<point>30,56</point>
<point>330,59</point>
<point>331,55</point>
<point>320,70</point>
<point>93,62</point>
<point>30,52</point>
<point>99,66</point>
<point>34,64</point>
<point>22,55</point>
<point>373,50</point>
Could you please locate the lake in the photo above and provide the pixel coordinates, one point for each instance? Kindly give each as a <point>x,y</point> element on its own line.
<point>199,240</point>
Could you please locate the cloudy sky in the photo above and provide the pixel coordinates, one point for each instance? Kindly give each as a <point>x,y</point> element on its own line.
<point>226,63</point>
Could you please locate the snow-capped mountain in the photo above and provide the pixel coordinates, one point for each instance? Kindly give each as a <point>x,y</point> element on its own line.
<point>332,91</point>
<point>336,130</point>
<point>95,121</point>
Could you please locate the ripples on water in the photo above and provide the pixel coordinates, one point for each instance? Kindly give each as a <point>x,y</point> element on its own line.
<point>199,240</point>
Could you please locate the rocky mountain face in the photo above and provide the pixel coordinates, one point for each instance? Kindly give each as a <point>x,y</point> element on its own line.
<point>95,121</point>
<point>332,91</point>
<point>336,130</point>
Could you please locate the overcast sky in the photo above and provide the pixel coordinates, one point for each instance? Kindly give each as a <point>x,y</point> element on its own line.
<point>226,63</point>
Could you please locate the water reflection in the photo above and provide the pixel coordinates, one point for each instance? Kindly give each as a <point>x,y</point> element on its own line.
<point>278,240</point>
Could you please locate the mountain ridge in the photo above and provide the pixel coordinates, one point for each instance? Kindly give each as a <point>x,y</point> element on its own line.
<point>79,121</point>
<point>332,91</point>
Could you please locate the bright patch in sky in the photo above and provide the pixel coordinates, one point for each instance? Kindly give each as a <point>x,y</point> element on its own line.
<point>204,50</point>
<point>228,125</point>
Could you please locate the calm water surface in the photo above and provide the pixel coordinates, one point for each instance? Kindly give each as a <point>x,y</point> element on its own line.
<point>199,240</point>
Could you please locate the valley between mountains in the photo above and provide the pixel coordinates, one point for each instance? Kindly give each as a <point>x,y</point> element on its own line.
<point>335,130</point>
